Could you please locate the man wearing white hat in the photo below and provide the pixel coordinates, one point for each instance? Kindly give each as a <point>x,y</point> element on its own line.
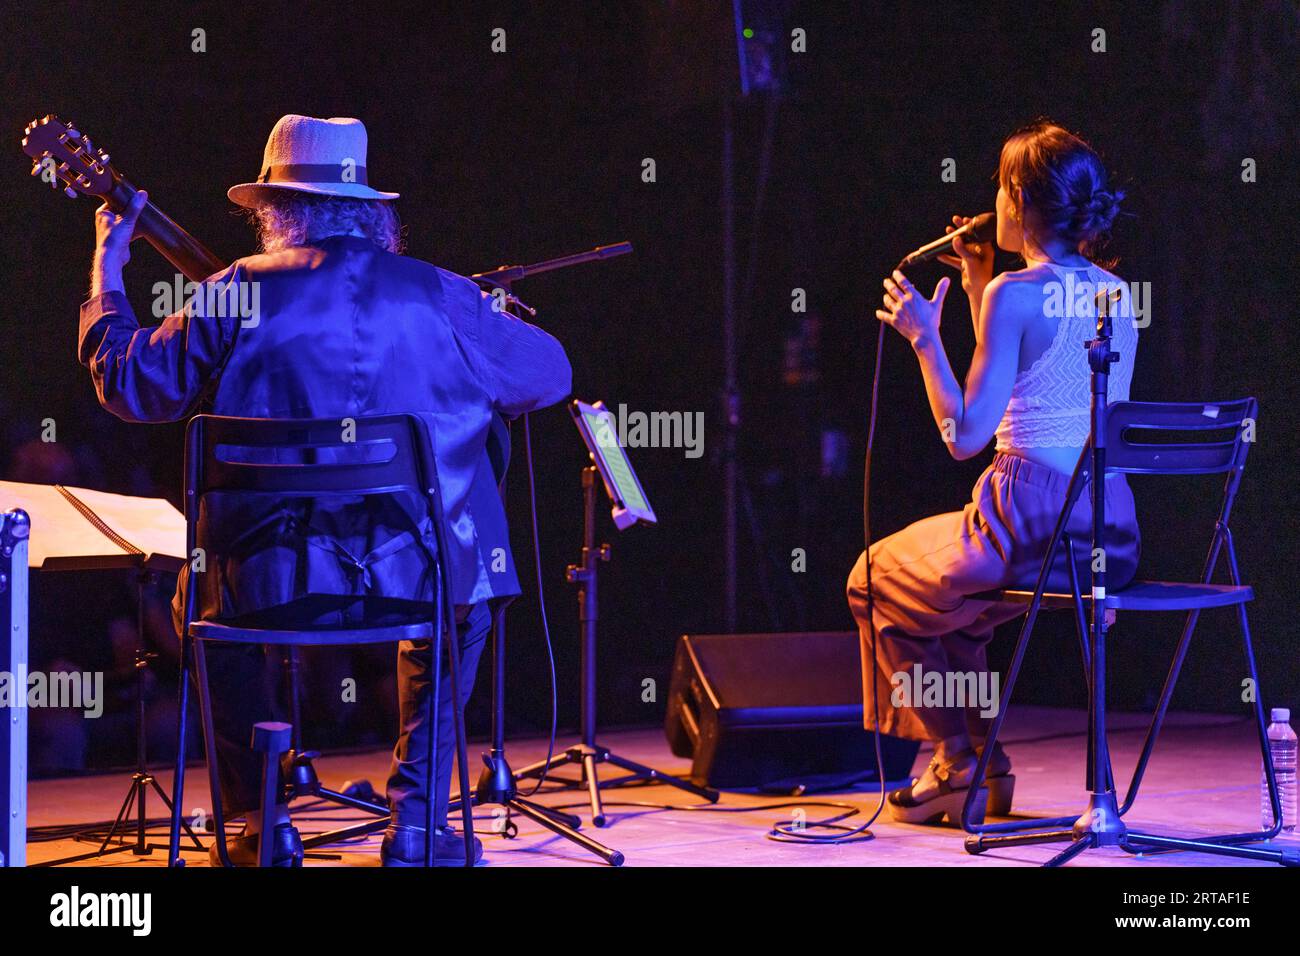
<point>345,326</point>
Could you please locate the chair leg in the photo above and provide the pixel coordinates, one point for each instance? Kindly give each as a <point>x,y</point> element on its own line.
<point>1243,621</point>
<point>210,750</point>
<point>431,752</point>
<point>1262,726</point>
<point>462,757</point>
<point>968,813</point>
<point>178,774</point>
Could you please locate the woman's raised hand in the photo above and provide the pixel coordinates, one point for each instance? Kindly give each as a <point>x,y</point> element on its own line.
<point>911,314</point>
<point>974,259</point>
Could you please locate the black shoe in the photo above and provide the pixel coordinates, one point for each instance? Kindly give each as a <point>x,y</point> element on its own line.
<point>404,846</point>
<point>242,850</point>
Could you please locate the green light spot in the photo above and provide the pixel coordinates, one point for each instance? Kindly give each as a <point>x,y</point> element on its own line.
<point>749,34</point>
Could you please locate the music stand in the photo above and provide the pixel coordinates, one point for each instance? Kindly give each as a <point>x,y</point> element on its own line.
<point>630,507</point>
<point>77,529</point>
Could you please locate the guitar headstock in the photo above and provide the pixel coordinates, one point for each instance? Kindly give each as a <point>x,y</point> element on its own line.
<point>63,157</point>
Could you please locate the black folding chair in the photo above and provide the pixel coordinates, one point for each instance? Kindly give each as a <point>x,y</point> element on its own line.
<point>1148,438</point>
<point>317,458</point>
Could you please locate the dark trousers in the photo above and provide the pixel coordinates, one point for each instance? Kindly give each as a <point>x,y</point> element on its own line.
<point>242,687</point>
<point>406,778</point>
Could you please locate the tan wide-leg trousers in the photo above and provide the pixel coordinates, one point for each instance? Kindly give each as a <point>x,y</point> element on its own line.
<point>923,575</point>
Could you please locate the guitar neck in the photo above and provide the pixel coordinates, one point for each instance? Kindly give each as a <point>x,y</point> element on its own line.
<point>191,258</point>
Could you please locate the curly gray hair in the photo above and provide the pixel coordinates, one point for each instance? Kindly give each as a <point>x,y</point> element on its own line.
<point>291,218</point>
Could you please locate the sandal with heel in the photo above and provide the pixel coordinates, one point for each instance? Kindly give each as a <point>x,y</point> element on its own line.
<point>1001,783</point>
<point>944,787</point>
<point>943,807</point>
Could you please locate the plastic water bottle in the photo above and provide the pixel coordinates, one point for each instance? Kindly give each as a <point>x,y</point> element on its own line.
<point>1282,747</point>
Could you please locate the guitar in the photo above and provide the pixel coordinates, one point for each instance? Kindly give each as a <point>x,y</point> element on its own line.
<point>63,157</point>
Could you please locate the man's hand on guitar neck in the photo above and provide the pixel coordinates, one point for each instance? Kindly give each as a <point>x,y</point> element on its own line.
<point>113,245</point>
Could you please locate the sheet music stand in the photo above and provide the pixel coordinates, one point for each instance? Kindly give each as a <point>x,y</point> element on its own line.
<point>82,530</point>
<point>630,507</point>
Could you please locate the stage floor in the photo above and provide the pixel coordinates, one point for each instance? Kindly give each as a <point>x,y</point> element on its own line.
<point>1204,778</point>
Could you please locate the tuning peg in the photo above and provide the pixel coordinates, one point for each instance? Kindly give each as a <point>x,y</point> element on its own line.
<point>103,156</point>
<point>71,193</point>
<point>36,169</point>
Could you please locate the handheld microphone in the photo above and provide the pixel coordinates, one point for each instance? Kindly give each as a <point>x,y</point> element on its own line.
<point>982,228</point>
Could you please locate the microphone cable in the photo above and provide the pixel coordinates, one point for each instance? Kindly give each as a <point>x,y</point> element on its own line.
<point>541,603</point>
<point>793,831</point>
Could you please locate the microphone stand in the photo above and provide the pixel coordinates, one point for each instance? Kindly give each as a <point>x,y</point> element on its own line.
<point>498,784</point>
<point>503,276</point>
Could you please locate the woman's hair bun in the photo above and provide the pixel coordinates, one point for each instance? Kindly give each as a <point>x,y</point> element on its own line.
<point>1091,219</point>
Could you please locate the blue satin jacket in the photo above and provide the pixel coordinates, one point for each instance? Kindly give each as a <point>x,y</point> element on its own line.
<point>340,328</point>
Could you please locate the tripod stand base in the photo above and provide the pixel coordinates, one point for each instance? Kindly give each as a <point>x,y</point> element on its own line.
<point>300,771</point>
<point>141,782</point>
<point>587,756</point>
<point>497,787</point>
<point>547,818</point>
<point>1100,826</point>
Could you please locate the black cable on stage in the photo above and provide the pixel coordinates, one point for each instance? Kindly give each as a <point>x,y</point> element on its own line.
<point>788,832</point>
<point>849,834</point>
<point>541,603</point>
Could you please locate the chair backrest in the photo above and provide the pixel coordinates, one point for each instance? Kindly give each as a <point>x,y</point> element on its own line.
<point>1181,438</point>
<point>309,458</point>
<point>1185,438</point>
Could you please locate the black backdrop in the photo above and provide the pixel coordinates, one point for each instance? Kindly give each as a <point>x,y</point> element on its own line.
<point>535,152</point>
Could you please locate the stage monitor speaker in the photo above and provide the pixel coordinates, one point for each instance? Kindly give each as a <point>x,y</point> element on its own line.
<point>767,710</point>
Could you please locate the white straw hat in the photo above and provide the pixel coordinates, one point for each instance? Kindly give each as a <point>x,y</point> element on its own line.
<point>326,157</point>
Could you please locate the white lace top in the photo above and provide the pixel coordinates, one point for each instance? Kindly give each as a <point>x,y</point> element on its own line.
<point>1049,401</point>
